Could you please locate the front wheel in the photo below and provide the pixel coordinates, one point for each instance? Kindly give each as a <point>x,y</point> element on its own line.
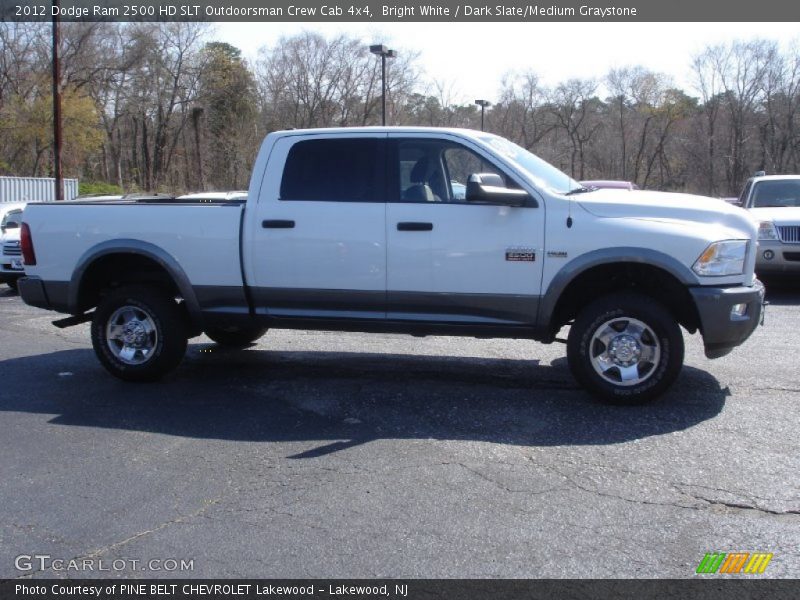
<point>625,348</point>
<point>139,333</point>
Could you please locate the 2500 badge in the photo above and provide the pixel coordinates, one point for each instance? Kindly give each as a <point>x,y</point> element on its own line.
<point>520,254</point>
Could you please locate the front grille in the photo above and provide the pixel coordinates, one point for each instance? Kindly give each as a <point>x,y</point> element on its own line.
<point>12,249</point>
<point>789,234</point>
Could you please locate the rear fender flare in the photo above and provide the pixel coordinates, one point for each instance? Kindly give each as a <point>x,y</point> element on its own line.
<point>138,247</point>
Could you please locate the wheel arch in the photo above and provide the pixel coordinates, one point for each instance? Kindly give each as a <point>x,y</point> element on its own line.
<point>137,258</point>
<point>614,270</point>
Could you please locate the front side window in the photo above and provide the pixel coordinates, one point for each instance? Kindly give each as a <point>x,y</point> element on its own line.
<point>438,171</point>
<point>745,193</point>
<point>334,170</point>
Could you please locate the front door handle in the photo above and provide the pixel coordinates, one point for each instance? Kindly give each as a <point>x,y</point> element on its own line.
<point>277,224</point>
<point>414,226</point>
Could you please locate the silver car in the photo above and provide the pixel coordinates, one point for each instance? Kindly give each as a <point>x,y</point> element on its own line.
<point>774,202</point>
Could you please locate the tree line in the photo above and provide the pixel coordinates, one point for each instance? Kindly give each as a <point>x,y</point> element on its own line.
<point>163,107</point>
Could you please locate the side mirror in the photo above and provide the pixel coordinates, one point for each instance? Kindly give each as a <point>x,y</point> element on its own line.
<point>488,188</point>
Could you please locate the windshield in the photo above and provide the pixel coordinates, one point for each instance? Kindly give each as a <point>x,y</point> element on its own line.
<point>541,171</point>
<point>777,193</point>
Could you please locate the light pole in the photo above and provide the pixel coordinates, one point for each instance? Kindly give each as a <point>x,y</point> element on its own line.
<point>483,104</point>
<point>384,53</point>
<point>56,108</point>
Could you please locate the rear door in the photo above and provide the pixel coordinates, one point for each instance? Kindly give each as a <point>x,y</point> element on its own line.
<point>451,260</point>
<point>318,241</point>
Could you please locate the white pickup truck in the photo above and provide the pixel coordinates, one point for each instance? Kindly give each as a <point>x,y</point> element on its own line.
<point>406,230</point>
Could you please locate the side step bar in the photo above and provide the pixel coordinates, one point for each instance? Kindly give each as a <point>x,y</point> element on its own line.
<point>74,320</point>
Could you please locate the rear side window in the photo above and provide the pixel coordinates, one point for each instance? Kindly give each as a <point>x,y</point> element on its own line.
<point>334,170</point>
<point>745,192</point>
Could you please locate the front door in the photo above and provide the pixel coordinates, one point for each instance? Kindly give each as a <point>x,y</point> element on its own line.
<point>451,260</point>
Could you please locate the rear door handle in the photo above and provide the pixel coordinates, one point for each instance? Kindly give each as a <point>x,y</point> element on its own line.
<point>277,224</point>
<point>414,226</point>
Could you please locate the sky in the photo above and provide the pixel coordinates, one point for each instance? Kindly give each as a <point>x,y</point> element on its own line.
<point>470,59</point>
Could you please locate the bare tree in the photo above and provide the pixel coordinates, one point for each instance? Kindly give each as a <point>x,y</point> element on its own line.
<point>779,131</point>
<point>520,113</point>
<point>309,81</point>
<point>153,106</point>
<point>709,84</point>
<point>573,104</point>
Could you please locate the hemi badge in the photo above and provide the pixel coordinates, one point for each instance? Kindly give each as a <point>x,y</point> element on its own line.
<point>557,254</point>
<point>520,255</point>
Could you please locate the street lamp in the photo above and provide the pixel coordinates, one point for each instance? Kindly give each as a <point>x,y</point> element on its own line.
<point>384,53</point>
<point>483,104</point>
<point>57,106</point>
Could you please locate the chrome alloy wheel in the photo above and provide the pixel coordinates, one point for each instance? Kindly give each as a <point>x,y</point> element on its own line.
<point>131,335</point>
<point>624,351</point>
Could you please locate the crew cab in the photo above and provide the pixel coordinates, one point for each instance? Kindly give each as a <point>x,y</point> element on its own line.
<point>407,230</point>
<point>774,202</point>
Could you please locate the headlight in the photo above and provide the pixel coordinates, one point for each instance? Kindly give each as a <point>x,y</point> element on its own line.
<point>766,231</point>
<point>722,258</point>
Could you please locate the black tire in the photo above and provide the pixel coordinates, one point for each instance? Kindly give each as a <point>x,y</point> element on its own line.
<point>617,314</point>
<point>238,338</point>
<point>166,343</point>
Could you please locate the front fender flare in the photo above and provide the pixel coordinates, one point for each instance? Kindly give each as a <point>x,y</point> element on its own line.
<point>607,256</point>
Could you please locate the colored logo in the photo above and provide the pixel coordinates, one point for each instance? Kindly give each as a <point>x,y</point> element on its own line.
<point>734,562</point>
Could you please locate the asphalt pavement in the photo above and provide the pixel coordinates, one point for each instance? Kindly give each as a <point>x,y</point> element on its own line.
<point>356,456</point>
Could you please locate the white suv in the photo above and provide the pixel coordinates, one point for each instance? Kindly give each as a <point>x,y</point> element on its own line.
<point>774,202</point>
<point>11,267</point>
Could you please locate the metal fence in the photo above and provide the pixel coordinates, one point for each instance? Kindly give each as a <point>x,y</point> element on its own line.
<point>34,189</point>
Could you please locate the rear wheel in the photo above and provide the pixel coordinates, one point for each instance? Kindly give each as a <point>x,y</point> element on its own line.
<point>236,338</point>
<point>139,333</point>
<point>625,348</point>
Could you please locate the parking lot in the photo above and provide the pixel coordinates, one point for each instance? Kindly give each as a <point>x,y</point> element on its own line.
<point>350,455</point>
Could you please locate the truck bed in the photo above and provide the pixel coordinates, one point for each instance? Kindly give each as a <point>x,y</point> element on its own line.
<point>202,237</point>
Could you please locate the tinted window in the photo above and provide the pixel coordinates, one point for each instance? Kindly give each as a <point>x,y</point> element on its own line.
<point>338,170</point>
